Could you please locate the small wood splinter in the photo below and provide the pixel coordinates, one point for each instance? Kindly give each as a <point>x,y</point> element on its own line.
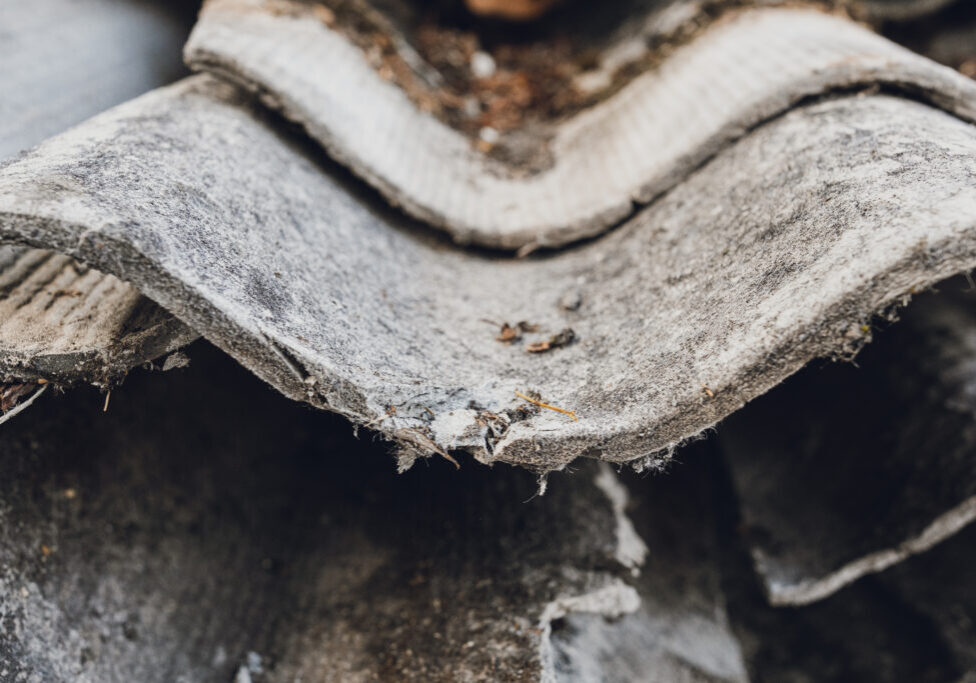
<point>571,413</point>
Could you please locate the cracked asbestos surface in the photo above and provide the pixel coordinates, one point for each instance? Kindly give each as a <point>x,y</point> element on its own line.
<point>728,284</point>
<point>778,249</point>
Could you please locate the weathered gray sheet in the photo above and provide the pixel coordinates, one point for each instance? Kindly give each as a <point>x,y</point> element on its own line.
<point>773,254</point>
<point>848,469</point>
<point>620,153</point>
<point>182,539</point>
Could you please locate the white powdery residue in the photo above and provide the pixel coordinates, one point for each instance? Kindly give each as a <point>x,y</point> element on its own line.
<point>631,550</point>
<point>612,600</point>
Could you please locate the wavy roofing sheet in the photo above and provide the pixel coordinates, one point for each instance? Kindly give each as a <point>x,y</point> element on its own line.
<point>622,152</point>
<point>706,299</point>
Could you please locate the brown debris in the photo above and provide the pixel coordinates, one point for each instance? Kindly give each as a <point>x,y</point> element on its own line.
<point>508,334</point>
<point>530,82</point>
<point>556,341</point>
<point>513,10</point>
<point>512,333</point>
<point>12,394</point>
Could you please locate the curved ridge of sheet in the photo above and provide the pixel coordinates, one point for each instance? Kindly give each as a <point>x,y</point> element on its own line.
<point>774,253</point>
<point>626,150</point>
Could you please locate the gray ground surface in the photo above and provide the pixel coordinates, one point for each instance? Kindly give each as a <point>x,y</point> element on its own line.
<point>67,60</point>
<point>181,539</point>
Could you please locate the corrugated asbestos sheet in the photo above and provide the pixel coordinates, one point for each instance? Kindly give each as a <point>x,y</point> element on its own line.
<point>520,264</point>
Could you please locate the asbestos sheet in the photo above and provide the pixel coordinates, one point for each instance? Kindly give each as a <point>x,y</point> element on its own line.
<point>848,469</point>
<point>181,538</point>
<point>600,164</point>
<point>776,252</point>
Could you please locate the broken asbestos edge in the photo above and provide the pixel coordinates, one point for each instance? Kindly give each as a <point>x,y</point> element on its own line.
<point>774,253</point>
<point>611,601</point>
<point>63,322</point>
<point>624,151</point>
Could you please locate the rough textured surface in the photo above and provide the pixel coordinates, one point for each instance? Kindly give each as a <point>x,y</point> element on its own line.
<point>180,539</point>
<point>630,148</point>
<point>681,631</point>
<point>708,298</point>
<point>66,60</point>
<point>869,462</point>
<point>63,322</point>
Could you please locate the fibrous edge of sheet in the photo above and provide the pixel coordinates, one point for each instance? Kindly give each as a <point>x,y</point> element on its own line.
<point>776,252</point>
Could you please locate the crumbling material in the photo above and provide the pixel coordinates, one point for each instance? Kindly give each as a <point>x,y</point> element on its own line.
<point>773,254</point>
<point>848,469</point>
<point>628,149</point>
<point>681,626</point>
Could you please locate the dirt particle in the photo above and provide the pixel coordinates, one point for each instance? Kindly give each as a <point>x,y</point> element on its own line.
<point>12,394</point>
<point>571,301</point>
<point>556,341</point>
<point>512,333</point>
